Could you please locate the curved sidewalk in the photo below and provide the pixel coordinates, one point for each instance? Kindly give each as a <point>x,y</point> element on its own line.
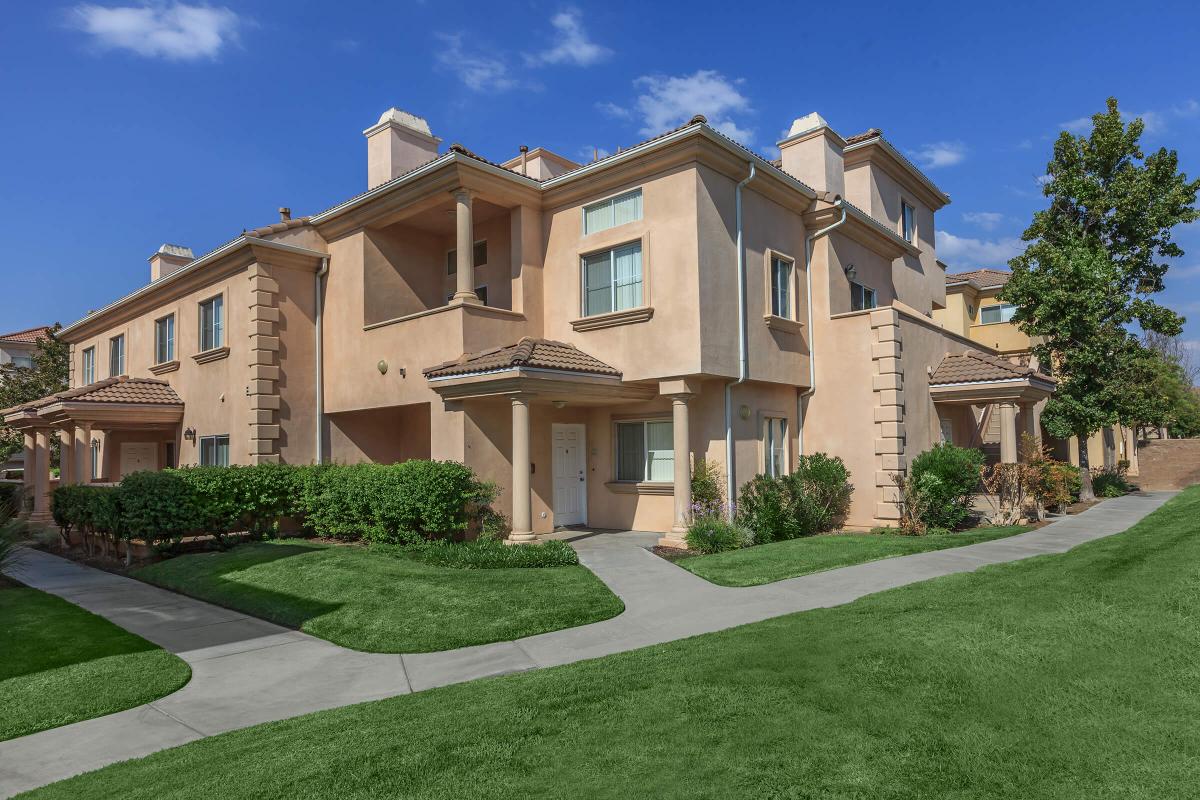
<point>246,671</point>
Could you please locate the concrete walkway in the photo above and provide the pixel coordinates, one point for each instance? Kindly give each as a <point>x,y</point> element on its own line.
<point>246,671</point>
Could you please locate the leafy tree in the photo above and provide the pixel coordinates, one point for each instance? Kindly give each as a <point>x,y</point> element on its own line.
<point>49,374</point>
<point>1096,256</point>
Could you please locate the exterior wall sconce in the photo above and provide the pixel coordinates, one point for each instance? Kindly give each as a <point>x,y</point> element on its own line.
<point>744,412</point>
<point>851,272</point>
<point>95,442</point>
<point>560,404</point>
<point>382,366</point>
<point>190,434</point>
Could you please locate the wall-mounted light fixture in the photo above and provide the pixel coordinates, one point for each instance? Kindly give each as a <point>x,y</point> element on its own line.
<point>851,272</point>
<point>190,434</point>
<point>382,366</point>
<point>560,404</point>
<point>95,442</point>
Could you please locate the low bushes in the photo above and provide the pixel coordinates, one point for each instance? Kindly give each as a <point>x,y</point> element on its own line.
<point>947,479</point>
<point>713,534</point>
<point>1111,481</point>
<point>489,553</point>
<point>812,499</point>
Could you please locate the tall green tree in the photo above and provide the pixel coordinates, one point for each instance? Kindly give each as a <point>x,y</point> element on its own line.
<point>50,373</point>
<point>1096,257</point>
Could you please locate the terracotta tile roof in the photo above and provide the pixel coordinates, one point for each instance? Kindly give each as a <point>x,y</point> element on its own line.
<point>862,137</point>
<point>983,278</point>
<point>976,367</point>
<point>267,230</point>
<point>121,389</point>
<point>529,352</point>
<point>27,336</point>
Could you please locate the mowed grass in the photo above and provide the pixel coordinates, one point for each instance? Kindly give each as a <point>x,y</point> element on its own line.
<point>60,664</point>
<point>384,601</point>
<point>767,563</point>
<point>1069,676</point>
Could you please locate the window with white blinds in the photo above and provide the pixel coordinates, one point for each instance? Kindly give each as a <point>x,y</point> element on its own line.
<point>612,280</point>
<point>646,451</point>
<point>612,212</point>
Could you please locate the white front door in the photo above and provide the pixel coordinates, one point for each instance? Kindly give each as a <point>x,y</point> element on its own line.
<point>570,475</point>
<point>138,456</point>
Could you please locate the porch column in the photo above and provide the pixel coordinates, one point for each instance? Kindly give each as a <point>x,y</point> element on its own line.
<point>66,456</point>
<point>680,391</point>
<point>1008,433</point>
<point>465,253</point>
<point>41,476</point>
<point>83,452</point>
<point>29,462</point>
<point>1029,424</point>
<point>522,504</point>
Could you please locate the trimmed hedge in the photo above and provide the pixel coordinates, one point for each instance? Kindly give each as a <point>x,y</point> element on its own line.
<point>813,499</point>
<point>947,477</point>
<point>488,553</point>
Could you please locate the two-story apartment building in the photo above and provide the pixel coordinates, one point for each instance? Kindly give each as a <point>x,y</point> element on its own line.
<point>581,334</point>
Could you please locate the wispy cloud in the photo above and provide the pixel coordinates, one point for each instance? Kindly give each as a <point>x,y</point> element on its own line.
<point>614,110</point>
<point>670,100</point>
<point>1156,121</point>
<point>962,251</point>
<point>988,220</point>
<point>593,153</point>
<point>176,32</point>
<point>480,73</point>
<point>573,44</point>
<point>939,154</point>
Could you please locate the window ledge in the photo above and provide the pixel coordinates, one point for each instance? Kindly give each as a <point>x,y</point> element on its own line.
<point>165,367</point>
<point>783,324</point>
<point>641,487</point>
<point>613,318</point>
<point>215,354</point>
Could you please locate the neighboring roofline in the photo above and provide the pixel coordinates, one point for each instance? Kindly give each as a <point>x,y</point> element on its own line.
<point>539,152</point>
<point>8,337</point>
<point>188,269</point>
<point>520,368</point>
<point>904,162</point>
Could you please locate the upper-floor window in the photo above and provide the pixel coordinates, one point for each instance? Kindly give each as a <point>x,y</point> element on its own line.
<point>89,367</point>
<point>116,356</point>
<point>775,446</point>
<point>479,257</point>
<point>861,297</point>
<point>908,222</point>
<point>612,280</point>
<point>212,323</point>
<point>23,362</point>
<point>781,287</point>
<point>612,212</point>
<point>646,451</point>
<point>214,451</point>
<point>990,315</point>
<point>164,339</point>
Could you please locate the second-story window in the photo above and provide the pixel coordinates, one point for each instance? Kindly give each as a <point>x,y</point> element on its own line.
<point>164,339</point>
<point>861,297</point>
<point>212,323</point>
<point>612,280</point>
<point>116,356</point>
<point>990,315</point>
<point>479,257</point>
<point>908,222</point>
<point>89,367</point>
<point>781,287</point>
<point>612,212</point>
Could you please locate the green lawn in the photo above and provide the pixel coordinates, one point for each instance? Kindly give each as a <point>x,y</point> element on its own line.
<point>1067,676</point>
<point>768,563</point>
<point>60,664</point>
<point>384,601</point>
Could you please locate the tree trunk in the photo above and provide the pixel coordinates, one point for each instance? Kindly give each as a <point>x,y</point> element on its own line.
<point>1086,494</point>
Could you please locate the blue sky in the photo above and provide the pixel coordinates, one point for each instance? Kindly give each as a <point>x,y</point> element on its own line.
<point>126,125</point>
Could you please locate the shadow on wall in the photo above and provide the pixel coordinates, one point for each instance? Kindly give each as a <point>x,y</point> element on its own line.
<point>380,435</point>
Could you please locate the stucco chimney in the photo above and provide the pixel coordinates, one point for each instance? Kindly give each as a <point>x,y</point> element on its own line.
<point>812,152</point>
<point>396,144</point>
<point>167,259</point>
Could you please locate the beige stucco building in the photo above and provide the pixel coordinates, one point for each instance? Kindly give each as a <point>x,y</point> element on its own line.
<point>581,334</point>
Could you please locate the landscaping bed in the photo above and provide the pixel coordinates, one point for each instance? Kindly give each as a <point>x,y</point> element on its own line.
<point>60,664</point>
<point>387,599</point>
<point>1069,676</point>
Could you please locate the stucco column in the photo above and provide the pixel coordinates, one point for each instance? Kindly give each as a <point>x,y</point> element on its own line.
<point>683,466</point>
<point>29,467</point>
<point>41,476</point>
<point>1008,433</point>
<point>465,264</point>
<point>522,503</point>
<point>66,456</point>
<point>83,452</point>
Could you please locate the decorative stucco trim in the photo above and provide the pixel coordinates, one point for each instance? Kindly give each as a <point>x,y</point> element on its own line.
<point>263,365</point>
<point>888,385</point>
<point>783,324</point>
<point>613,319</point>
<point>216,354</point>
<point>165,367</point>
<point>641,487</point>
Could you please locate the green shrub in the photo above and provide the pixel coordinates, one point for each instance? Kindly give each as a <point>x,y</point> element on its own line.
<point>10,500</point>
<point>1110,482</point>
<point>708,492</point>
<point>156,507</point>
<point>10,549</point>
<point>947,477</point>
<point>491,553</point>
<point>827,490</point>
<point>240,498</point>
<point>714,534</point>
<point>812,499</point>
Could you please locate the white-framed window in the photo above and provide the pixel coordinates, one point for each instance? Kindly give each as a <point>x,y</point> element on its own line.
<point>645,450</point>
<point>212,323</point>
<point>947,426</point>
<point>861,297</point>
<point>1002,312</point>
<point>88,371</point>
<point>214,451</point>
<point>775,446</point>
<point>22,362</point>
<point>479,257</point>
<point>116,356</point>
<point>908,221</point>
<point>164,339</point>
<point>612,212</point>
<point>612,280</point>
<point>781,287</point>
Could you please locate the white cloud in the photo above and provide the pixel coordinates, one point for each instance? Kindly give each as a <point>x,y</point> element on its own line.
<point>574,46</point>
<point>480,73</point>
<point>960,251</point>
<point>940,154</point>
<point>178,32</point>
<point>614,110</point>
<point>669,101</point>
<point>592,153</point>
<point>988,220</point>
<point>1155,121</point>
<point>1077,126</point>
